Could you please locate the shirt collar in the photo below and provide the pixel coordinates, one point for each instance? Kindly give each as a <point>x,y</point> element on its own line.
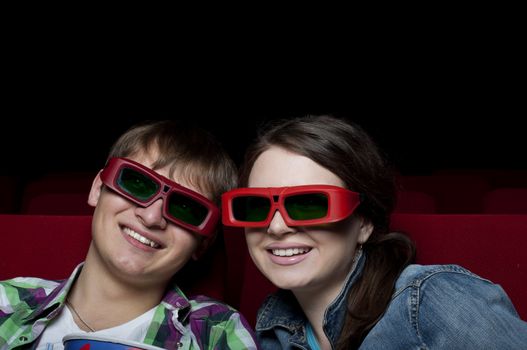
<point>54,302</point>
<point>51,305</point>
<point>336,311</point>
<point>175,299</point>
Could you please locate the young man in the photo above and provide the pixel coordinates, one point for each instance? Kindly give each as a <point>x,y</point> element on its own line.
<point>155,209</point>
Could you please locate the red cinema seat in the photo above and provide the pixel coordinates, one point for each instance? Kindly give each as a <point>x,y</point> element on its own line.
<point>497,178</point>
<point>415,202</point>
<point>42,246</point>
<point>246,286</point>
<point>8,194</point>
<point>58,194</point>
<point>58,204</point>
<point>492,246</point>
<point>506,201</point>
<point>452,193</point>
<point>509,178</point>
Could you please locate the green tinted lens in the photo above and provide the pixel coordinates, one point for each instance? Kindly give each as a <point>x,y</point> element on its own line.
<point>251,208</point>
<point>137,184</point>
<point>306,206</point>
<point>186,209</point>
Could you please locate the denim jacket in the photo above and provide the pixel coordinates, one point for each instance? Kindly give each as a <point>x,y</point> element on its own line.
<point>433,307</point>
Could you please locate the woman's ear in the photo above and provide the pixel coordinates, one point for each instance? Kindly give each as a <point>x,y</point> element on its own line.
<point>366,229</point>
<point>95,191</point>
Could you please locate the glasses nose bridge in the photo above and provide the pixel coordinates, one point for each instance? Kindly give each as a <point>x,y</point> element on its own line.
<point>165,191</point>
<point>163,194</point>
<point>277,225</point>
<point>153,214</point>
<point>277,205</point>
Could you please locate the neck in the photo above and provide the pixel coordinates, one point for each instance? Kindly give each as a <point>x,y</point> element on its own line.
<point>104,301</point>
<point>315,300</point>
<point>314,305</point>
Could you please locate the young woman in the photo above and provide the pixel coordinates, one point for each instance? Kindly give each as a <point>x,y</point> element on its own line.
<point>316,208</point>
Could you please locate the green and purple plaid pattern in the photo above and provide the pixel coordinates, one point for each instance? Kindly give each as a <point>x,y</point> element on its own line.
<point>27,305</point>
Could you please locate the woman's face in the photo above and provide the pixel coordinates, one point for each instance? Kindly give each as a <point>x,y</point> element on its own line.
<point>301,258</point>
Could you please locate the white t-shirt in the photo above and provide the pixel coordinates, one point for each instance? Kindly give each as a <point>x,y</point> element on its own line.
<point>64,324</point>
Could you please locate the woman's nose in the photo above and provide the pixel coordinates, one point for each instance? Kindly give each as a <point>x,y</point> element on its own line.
<point>278,227</point>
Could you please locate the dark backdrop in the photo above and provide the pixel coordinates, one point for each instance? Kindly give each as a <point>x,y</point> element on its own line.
<point>418,139</point>
<point>445,92</point>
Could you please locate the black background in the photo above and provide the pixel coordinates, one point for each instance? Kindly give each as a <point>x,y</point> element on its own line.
<point>416,141</point>
<point>433,99</point>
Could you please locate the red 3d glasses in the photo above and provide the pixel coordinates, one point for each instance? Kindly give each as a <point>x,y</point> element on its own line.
<point>143,186</point>
<point>298,205</point>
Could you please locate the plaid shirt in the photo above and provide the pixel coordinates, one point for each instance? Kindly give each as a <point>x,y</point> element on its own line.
<point>27,305</point>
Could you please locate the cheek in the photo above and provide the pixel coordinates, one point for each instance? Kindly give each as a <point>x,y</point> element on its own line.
<point>111,202</point>
<point>184,242</point>
<point>181,257</point>
<point>255,244</point>
<point>338,247</point>
<point>254,237</point>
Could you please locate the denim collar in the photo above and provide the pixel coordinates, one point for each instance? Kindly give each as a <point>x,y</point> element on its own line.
<point>281,309</point>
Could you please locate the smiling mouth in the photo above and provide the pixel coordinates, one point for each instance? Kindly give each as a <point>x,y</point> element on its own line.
<point>141,239</point>
<point>289,251</point>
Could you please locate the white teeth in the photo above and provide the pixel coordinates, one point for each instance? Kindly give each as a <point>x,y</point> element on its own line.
<point>140,238</point>
<point>290,251</point>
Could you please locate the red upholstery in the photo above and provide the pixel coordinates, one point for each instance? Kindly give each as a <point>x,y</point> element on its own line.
<point>452,193</point>
<point>58,204</point>
<point>506,200</point>
<point>247,287</point>
<point>509,178</point>
<point>42,246</point>
<point>238,258</point>
<point>58,194</point>
<point>492,246</point>
<point>415,202</point>
<point>8,194</point>
<point>495,177</point>
<point>51,246</point>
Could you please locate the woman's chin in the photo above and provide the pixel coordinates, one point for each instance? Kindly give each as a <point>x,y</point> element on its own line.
<point>288,282</point>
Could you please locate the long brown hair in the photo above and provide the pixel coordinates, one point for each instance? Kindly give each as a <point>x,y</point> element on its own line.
<point>348,151</point>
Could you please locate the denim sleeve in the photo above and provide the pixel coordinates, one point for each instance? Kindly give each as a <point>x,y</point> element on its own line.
<point>458,310</point>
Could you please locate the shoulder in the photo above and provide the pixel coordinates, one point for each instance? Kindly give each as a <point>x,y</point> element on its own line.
<point>204,307</point>
<point>279,300</point>
<point>279,309</point>
<point>225,327</point>
<point>418,275</point>
<point>27,284</point>
<point>437,287</point>
<point>208,304</point>
<point>445,304</point>
<point>25,291</point>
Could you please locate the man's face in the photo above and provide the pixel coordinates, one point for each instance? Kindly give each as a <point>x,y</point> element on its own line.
<point>138,244</point>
